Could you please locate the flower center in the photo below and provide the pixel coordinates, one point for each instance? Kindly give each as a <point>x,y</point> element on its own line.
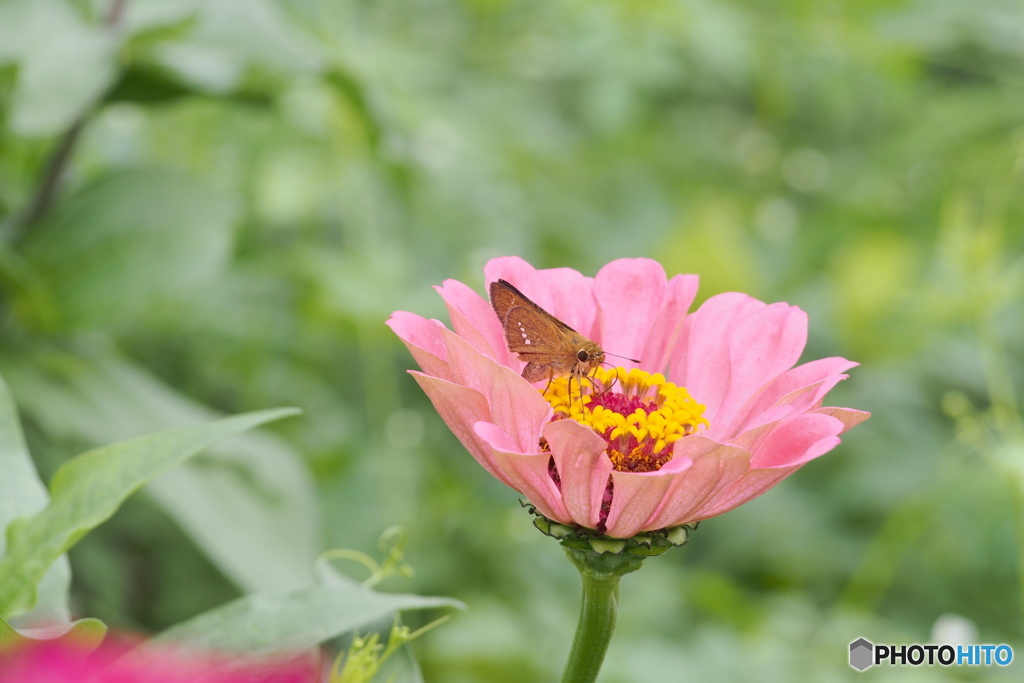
<point>640,415</point>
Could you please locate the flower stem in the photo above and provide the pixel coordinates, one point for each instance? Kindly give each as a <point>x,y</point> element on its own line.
<point>599,606</point>
<point>598,609</point>
<point>46,191</point>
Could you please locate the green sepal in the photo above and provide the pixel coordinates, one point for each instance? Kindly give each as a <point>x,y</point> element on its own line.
<point>645,544</point>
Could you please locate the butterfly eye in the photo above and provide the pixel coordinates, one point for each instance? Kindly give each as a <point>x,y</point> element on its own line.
<point>583,355</point>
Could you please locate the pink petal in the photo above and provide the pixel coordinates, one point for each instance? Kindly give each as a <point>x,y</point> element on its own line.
<point>635,497</point>
<point>525,472</point>
<point>848,416</point>
<point>715,468</point>
<point>707,359</point>
<point>583,468</point>
<point>513,403</point>
<point>795,442</point>
<point>791,387</point>
<point>752,439</point>
<point>572,299</point>
<point>461,408</point>
<point>474,320</point>
<point>802,400</point>
<point>679,355</point>
<point>764,344</point>
<point>523,277</point>
<point>630,294</point>
<point>799,377</point>
<point>669,327</point>
<point>425,341</point>
<point>750,485</point>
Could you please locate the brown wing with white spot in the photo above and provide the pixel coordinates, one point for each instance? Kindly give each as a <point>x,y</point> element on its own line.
<point>549,346</point>
<point>529,333</point>
<point>528,327</point>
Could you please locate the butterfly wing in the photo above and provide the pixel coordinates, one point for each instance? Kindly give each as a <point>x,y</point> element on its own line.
<point>539,338</point>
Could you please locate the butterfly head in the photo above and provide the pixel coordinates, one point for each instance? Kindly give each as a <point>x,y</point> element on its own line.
<point>588,357</point>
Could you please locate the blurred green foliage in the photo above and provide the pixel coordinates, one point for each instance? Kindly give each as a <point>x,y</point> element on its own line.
<point>210,207</point>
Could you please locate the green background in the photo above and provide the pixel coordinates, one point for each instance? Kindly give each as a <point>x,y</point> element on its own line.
<point>252,188</point>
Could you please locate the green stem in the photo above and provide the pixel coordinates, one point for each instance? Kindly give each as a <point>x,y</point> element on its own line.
<point>598,609</point>
<point>600,574</point>
<point>45,193</point>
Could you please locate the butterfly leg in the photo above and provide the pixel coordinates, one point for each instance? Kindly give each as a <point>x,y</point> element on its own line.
<point>575,372</point>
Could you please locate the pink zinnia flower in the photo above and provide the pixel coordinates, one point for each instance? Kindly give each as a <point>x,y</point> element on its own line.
<point>714,414</point>
<point>61,661</point>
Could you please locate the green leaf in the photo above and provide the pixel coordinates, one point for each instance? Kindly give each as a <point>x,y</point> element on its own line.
<point>231,40</point>
<point>88,489</point>
<point>89,632</point>
<point>22,493</point>
<point>291,621</point>
<point>353,90</point>
<point>26,22</point>
<point>129,242</point>
<point>65,65</point>
<point>148,86</point>
<point>248,503</point>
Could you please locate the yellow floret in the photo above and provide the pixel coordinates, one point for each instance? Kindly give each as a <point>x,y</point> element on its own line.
<point>644,434</point>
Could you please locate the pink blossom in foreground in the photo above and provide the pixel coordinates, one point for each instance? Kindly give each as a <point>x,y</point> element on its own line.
<point>61,661</point>
<point>762,418</point>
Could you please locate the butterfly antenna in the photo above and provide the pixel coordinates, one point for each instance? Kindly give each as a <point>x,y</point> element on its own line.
<point>609,387</point>
<point>616,378</point>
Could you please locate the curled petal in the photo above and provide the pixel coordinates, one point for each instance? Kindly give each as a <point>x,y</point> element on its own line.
<point>752,439</point>
<point>795,403</point>
<point>582,466</point>
<point>514,404</point>
<point>474,320</point>
<point>795,390</point>
<point>461,408</point>
<point>780,449</point>
<point>425,341</point>
<point>715,467</point>
<point>636,495</point>
<point>747,487</point>
<point>805,375</point>
<point>769,406</point>
<point>797,441</point>
<point>848,416</point>
<point>525,472</point>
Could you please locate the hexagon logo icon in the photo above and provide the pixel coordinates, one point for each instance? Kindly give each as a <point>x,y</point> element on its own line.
<point>861,651</point>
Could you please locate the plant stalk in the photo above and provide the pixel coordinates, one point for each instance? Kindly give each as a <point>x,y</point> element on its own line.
<point>599,607</point>
<point>600,573</point>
